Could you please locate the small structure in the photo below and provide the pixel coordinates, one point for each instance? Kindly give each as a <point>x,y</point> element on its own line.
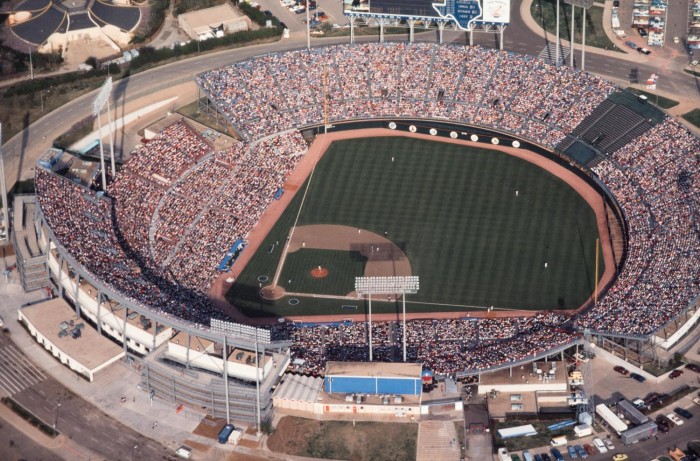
<point>216,21</point>
<point>54,325</point>
<point>519,431</point>
<point>297,392</point>
<point>373,378</point>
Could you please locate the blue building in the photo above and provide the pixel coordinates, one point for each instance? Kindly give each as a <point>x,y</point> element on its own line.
<point>373,378</point>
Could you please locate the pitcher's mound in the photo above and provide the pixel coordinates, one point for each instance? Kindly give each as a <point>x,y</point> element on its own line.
<point>319,272</point>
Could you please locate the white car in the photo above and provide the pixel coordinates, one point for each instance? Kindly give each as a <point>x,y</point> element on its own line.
<point>599,445</point>
<point>676,420</point>
<point>609,444</point>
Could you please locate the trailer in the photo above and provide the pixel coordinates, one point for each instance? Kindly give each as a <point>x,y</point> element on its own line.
<point>611,418</point>
<point>639,433</point>
<point>631,412</point>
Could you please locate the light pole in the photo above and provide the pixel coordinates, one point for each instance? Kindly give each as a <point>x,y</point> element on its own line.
<point>55,420</point>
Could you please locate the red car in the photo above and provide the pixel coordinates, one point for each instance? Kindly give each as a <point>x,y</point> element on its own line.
<point>675,374</point>
<point>621,370</point>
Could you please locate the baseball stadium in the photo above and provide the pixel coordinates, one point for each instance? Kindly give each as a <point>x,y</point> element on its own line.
<point>531,204</point>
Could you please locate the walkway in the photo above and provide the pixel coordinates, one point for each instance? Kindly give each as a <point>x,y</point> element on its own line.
<point>437,441</point>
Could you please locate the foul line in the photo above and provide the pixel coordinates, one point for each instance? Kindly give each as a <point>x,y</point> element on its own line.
<point>283,258</point>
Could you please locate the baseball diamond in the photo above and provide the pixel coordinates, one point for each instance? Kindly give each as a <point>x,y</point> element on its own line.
<point>481,228</point>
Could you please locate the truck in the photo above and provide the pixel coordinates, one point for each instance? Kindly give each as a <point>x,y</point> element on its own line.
<point>503,455</point>
<point>225,433</point>
<point>615,423</point>
<point>558,441</point>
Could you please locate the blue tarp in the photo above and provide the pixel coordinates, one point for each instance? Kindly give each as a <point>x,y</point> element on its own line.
<point>231,256</point>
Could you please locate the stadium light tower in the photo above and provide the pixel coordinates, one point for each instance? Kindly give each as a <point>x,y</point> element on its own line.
<point>97,106</point>
<point>387,286</point>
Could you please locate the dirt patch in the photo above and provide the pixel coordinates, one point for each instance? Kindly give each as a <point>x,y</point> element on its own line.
<point>319,272</point>
<point>344,439</point>
<point>209,427</point>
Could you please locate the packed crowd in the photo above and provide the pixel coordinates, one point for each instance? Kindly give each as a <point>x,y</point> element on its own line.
<point>655,179</point>
<point>446,346</point>
<point>177,206</point>
<point>496,89</point>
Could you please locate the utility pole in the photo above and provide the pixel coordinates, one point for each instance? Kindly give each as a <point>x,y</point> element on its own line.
<point>3,190</point>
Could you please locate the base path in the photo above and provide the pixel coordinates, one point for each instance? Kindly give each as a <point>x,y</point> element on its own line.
<point>316,151</point>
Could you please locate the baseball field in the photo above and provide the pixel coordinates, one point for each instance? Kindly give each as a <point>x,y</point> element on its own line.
<point>479,227</point>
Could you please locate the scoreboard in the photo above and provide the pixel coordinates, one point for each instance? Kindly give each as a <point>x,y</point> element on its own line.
<point>462,13</point>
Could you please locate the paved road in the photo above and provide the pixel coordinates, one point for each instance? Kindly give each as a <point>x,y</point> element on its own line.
<point>23,149</point>
<point>73,417</point>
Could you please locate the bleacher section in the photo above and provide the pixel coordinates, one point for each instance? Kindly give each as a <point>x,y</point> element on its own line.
<point>617,121</point>
<point>31,259</point>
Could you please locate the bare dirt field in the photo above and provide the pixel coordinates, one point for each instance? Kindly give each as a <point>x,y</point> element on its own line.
<point>345,440</point>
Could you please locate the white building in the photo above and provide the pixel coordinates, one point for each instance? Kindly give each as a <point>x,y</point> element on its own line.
<point>212,22</point>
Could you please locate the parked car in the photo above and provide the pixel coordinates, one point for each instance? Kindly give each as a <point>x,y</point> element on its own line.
<point>598,443</point>
<point>676,420</point>
<point>556,454</point>
<point>642,32</point>
<point>589,449</point>
<point>663,428</point>
<point>637,377</point>
<point>683,412</point>
<point>618,368</point>
<point>632,45</point>
<point>609,444</point>
<point>581,452</point>
<point>573,454</point>
<point>546,457</point>
<point>647,52</point>
<point>675,374</point>
<point>616,3</point>
<point>539,457</point>
<point>620,457</point>
<point>664,420</point>
<point>515,457</point>
<point>693,367</point>
<point>267,13</point>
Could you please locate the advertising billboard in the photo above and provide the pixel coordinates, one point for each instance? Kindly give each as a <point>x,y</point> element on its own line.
<point>462,13</point>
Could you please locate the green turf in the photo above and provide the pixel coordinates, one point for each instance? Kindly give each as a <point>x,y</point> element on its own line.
<point>454,211</point>
<point>343,267</point>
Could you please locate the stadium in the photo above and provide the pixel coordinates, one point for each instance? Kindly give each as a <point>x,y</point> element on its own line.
<point>152,244</point>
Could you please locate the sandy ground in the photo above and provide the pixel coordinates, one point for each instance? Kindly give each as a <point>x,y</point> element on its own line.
<point>305,168</point>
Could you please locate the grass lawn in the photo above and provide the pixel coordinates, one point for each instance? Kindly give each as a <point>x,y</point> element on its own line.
<point>345,440</point>
<point>454,211</point>
<point>544,12</point>
<point>662,102</point>
<point>343,267</point>
<point>693,117</point>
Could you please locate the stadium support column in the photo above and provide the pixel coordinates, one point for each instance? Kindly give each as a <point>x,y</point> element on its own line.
<point>501,28</point>
<point>470,31</point>
<point>76,294</point>
<point>126,311</point>
<point>404,325</point>
<point>381,29</point>
<point>187,351</point>
<point>99,311</point>
<point>411,32</point>
<point>370,326</point>
<point>308,27</point>
<point>352,29</point>
<point>571,45</point>
<point>3,191</point>
<point>257,382</point>
<point>557,45</point>
<point>102,153</point>
<point>583,42</point>
<point>441,29</point>
<point>225,357</point>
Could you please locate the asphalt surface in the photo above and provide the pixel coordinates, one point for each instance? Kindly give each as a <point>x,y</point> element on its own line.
<point>77,420</point>
<point>23,149</point>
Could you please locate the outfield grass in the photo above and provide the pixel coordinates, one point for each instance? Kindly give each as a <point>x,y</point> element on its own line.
<point>454,211</point>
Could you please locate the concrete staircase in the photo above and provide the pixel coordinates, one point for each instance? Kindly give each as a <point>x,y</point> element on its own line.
<point>437,441</point>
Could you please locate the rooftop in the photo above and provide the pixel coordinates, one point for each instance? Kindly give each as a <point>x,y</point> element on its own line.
<point>385,369</point>
<point>91,349</point>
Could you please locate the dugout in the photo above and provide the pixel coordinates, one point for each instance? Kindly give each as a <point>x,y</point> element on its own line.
<point>373,378</point>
